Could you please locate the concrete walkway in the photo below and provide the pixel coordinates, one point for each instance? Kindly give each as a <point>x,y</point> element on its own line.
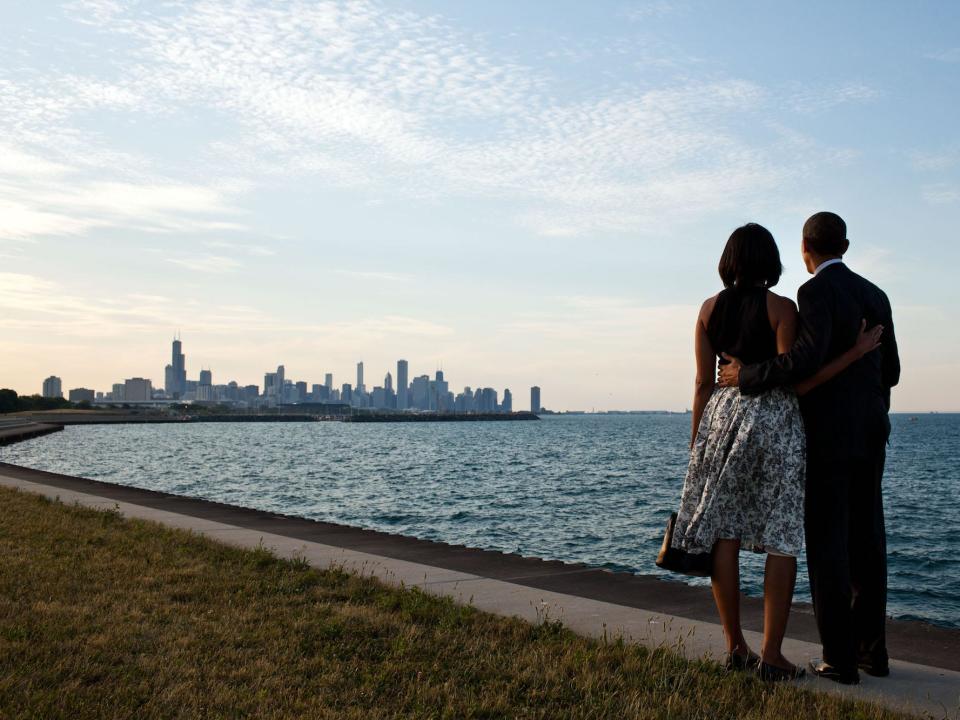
<point>913,686</point>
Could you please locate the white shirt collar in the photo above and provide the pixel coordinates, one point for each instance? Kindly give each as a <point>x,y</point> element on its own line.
<point>828,263</point>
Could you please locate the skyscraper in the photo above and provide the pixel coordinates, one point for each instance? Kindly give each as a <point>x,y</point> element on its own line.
<point>360,388</point>
<point>388,382</point>
<point>507,404</point>
<point>328,381</point>
<point>52,387</point>
<point>206,377</point>
<point>402,385</point>
<point>175,375</point>
<point>535,399</point>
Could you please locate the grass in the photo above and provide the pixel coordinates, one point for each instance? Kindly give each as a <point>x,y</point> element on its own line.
<point>104,617</point>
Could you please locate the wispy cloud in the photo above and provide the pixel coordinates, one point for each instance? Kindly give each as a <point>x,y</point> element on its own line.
<point>29,301</point>
<point>813,99</point>
<point>215,264</point>
<point>950,55</point>
<point>942,159</point>
<point>241,248</point>
<point>375,275</point>
<point>358,95</point>
<point>646,9</point>
<point>941,193</point>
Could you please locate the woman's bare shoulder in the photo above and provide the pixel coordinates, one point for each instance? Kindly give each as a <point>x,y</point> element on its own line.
<point>780,309</point>
<point>780,303</point>
<point>706,310</point>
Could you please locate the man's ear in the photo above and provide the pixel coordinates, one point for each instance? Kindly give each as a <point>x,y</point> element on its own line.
<point>846,246</point>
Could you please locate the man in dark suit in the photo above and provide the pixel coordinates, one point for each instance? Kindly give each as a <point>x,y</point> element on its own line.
<point>847,428</point>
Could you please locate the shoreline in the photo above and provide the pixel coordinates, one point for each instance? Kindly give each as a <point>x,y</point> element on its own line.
<point>914,641</point>
<point>53,417</point>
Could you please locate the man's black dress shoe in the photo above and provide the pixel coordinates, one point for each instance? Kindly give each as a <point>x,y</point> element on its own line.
<point>826,670</point>
<point>879,669</point>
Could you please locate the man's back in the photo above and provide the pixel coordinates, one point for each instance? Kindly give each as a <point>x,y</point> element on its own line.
<point>847,416</point>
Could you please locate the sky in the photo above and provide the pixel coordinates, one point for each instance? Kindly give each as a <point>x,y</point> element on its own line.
<point>530,193</point>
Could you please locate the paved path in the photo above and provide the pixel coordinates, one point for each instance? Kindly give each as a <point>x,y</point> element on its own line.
<point>491,582</point>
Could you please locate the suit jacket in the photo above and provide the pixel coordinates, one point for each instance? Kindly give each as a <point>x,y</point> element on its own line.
<point>846,417</point>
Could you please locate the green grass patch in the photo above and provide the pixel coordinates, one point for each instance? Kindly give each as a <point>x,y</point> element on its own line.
<point>102,617</point>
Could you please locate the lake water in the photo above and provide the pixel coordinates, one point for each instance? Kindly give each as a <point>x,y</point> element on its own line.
<point>593,488</point>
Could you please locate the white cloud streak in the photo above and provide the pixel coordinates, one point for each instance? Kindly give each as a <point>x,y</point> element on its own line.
<point>356,95</point>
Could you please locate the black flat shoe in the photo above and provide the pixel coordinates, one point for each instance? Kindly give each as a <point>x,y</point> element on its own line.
<point>825,670</point>
<point>773,673</point>
<point>742,663</point>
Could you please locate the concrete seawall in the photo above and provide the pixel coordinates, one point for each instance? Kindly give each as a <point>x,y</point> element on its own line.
<point>12,431</point>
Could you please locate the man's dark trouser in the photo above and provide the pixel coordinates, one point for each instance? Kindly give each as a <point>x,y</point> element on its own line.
<point>847,558</point>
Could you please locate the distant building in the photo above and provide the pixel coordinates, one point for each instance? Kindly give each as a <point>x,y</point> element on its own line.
<point>360,388</point>
<point>346,393</point>
<point>78,395</point>
<point>487,402</point>
<point>464,403</point>
<point>52,387</point>
<point>137,390</point>
<point>273,385</point>
<point>206,377</point>
<point>388,382</point>
<point>535,399</point>
<point>175,374</point>
<point>507,404</point>
<point>439,391</point>
<point>301,391</point>
<point>420,393</point>
<point>402,385</point>
<point>116,392</point>
<point>328,381</point>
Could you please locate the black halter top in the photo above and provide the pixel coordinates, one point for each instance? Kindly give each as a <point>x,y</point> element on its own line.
<point>740,325</point>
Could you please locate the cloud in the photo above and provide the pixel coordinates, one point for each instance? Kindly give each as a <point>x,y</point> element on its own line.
<point>243,248</point>
<point>811,100</point>
<point>374,275</point>
<point>950,55</point>
<point>944,158</point>
<point>391,103</point>
<point>215,264</point>
<point>641,11</point>
<point>361,96</point>
<point>941,193</point>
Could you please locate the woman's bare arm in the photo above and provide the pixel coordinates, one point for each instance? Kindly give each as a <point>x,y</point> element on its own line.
<point>867,341</point>
<point>706,358</point>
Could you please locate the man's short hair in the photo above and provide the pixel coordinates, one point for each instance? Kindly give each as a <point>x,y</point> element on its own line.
<point>825,233</point>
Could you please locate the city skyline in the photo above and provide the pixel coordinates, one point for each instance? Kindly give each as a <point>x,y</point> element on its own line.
<point>423,393</point>
<point>533,195</point>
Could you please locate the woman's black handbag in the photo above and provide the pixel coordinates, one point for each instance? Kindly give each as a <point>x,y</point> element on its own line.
<point>681,561</point>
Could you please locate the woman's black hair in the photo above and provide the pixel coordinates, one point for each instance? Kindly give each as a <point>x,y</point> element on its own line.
<point>751,258</point>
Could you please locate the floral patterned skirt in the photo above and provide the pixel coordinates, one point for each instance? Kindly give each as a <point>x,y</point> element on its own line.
<point>746,475</point>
